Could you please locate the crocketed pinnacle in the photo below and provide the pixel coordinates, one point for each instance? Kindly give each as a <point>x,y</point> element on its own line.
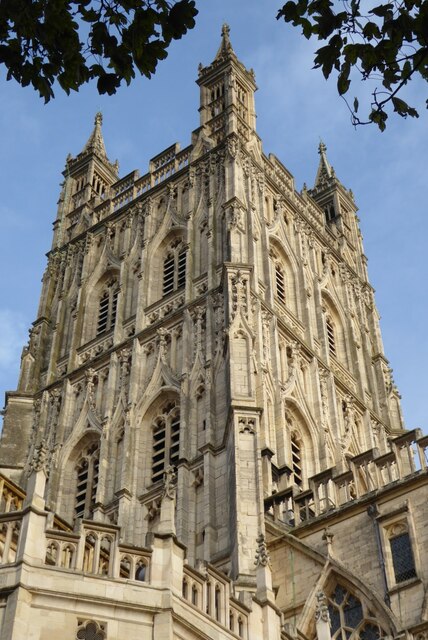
<point>225,49</point>
<point>325,170</point>
<point>95,143</point>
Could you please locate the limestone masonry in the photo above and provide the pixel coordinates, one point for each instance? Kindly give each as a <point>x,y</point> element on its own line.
<point>206,441</point>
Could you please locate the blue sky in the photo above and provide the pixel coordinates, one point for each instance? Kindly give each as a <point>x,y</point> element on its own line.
<point>295,107</point>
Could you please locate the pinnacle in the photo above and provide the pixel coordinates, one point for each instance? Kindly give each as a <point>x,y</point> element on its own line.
<point>325,170</point>
<point>95,142</point>
<point>225,49</point>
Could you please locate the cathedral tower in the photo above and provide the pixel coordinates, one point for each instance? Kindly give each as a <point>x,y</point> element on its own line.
<point>206,367</point>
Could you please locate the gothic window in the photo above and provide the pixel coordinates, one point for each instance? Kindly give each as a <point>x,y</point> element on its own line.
<point>87,482</point>
<point>166,441</point>
<point>402,557</point>
<point>216,99</point>
<point>90,630</point>
<point>351,619</point>
<point>331,339</point>
<point>107,309</point>
<point>400,547</point>
<point>174,269</point>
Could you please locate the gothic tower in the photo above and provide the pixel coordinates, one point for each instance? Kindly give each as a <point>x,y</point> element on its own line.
<point>208,334</point>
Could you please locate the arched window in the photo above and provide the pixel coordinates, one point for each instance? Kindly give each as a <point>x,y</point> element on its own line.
<point>107,309</point>
<point>166,441</point>
<point>87,482</point>
<point>351,619</point>
<point>331,339</point>
<point>174,269</point>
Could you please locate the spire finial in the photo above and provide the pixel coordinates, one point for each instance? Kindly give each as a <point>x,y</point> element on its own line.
<point>325,170</point>
<point>322,148</point>
<point>225,48</point>
<point>95,143</point>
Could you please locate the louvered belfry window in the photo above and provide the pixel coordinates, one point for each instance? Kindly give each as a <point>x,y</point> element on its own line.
<point>166,441</point>
<point>174,269</point>
<point>87,482</point>
<point>331,341</point>
<point>280,283</point>
<point>107,310</point>
<point>296,460</point>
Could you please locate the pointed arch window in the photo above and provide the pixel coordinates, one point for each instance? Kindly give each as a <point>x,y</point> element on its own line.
<point>166,441</point>
<point>174,269</point>
<point>87,482</point>
<point>351,618</point>
<point>107,308</point>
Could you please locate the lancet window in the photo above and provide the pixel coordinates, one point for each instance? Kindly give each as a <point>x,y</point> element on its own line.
<point>166,441</point>
<point>174,269</point>
<point>403,562</point>
<point>87,481</point>
<point>107,309</point>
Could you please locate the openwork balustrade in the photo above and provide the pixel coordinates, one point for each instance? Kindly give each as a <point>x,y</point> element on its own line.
<point>210,592</point>
<point>368,472</point>
<point>95,549</point>
<point>11,503</point>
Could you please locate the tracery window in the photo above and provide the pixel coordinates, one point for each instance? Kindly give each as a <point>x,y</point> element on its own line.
<point>166,441</point>
<point>107,309</point>
<point>351,619</point>
<point>87,482</point>
<point>91,630</point>
<point>174,269</point>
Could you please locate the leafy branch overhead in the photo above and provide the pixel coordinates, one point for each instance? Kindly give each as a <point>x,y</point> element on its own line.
<point>387,43</point>
<point>72,42</point>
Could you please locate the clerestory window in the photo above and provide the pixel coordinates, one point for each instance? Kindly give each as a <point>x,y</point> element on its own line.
<point>166,441</point>
<point>174,270</point>
<point>87,482</point>
<point>107,309</point>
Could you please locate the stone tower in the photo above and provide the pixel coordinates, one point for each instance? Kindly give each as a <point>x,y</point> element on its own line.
<point>206,371</point>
